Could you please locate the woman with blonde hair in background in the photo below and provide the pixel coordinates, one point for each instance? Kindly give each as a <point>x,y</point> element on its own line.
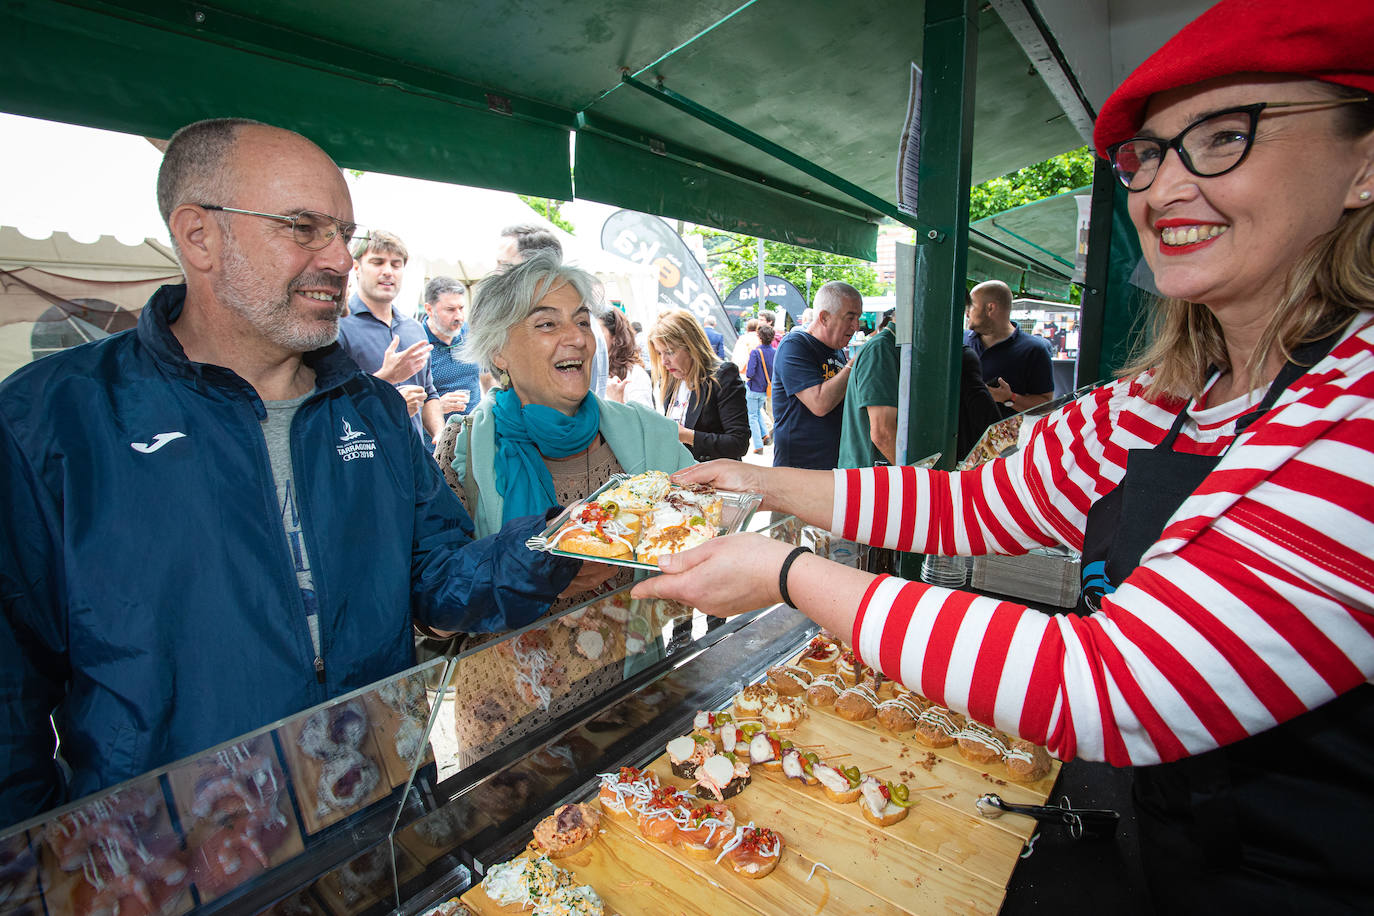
<point>703,394</point>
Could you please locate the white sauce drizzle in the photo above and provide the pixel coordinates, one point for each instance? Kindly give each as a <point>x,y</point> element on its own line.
<point>611,529</point>
<point>533,664</point>
<point>863,691</point>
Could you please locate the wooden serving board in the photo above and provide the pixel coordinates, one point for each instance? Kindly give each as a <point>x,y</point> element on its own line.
<point>785,891</point>
<point>993,776</point>
<point>839,836</point>
<point>942,858</point>
<point>633,879</point>
<point>949,783</point>
<point>916,757</point>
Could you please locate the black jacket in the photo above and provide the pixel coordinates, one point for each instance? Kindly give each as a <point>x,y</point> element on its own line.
<point>718,416</point>
<point>977,409</point>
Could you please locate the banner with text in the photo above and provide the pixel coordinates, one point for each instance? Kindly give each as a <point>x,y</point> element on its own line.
<point>777,291</point>
<point>682,282</point>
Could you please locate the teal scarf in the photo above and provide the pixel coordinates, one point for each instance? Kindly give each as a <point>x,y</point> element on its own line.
<point>523,434</point>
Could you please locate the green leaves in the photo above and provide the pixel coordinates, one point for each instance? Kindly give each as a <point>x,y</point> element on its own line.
<point>551,210</point>
<point>731,259</point>
<point>1034,182</point>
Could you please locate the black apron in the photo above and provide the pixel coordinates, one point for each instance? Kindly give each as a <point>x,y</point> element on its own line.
<point>1278,822</point>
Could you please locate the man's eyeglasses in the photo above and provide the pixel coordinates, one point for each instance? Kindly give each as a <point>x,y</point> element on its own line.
<point>1208,147</point>
<point>311,230</point>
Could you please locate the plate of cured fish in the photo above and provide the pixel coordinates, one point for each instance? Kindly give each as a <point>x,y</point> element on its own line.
<point>633,520</point>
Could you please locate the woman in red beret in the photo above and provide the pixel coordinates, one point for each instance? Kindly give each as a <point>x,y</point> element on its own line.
<point>1221,490</point>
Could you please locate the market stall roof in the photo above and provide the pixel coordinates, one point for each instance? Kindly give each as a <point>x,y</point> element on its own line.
<point>486,94</point>
<point>1038,239</point>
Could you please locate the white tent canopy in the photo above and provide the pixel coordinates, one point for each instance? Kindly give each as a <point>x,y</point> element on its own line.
<point>451,230</point>
<point>91,183</point>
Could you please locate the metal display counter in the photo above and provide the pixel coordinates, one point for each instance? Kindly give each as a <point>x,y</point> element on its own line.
<point>383,799</point>
<point>398,797</point>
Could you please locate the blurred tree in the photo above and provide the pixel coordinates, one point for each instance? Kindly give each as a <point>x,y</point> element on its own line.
<point>551,210</point>
<point>731,259</point>
<point>1034,182</point>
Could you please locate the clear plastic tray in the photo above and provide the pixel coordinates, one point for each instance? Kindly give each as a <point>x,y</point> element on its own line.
<point>736,510</point>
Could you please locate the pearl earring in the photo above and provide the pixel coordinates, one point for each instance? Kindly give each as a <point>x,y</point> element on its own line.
<point>1364,195</point>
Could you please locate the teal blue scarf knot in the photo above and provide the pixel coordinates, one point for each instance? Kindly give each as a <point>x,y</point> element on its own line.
<point>524,433</point>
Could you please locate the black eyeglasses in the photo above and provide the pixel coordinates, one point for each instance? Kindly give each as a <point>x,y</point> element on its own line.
<point>311,230</point>
<point>1208,147</point>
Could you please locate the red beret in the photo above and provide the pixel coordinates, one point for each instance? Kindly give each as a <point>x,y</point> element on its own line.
<point>1329,40</point>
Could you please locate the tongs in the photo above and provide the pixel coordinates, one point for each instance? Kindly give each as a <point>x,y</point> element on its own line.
<point>1093,823</point>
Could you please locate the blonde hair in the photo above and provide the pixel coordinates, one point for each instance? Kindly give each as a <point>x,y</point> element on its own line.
<point>1330,282</point>
<point>678,330</point>
<point>1327,286</point>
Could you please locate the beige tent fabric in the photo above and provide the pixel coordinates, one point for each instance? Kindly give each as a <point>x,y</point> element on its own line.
<point>58,292</point>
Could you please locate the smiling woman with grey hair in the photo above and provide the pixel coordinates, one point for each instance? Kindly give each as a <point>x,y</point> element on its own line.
<point>541,438</point>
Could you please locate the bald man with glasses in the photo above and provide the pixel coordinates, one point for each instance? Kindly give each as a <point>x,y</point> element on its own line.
<point>216,520</point>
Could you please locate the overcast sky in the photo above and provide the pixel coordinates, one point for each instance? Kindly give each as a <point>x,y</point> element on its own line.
<point>88,183</point>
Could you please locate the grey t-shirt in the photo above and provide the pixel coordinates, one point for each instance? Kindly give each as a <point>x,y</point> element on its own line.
<point>276,429</point>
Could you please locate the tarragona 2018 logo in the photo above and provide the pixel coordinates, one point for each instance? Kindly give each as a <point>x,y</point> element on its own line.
<point>355,443</point>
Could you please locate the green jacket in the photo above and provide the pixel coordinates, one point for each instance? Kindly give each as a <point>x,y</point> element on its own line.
<point>642,440</point>
<point>872,383</point>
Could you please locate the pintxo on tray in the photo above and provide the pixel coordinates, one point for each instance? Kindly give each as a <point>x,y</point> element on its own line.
<point>707,830</point>
<point>857,693</point>
<point>635,520</point>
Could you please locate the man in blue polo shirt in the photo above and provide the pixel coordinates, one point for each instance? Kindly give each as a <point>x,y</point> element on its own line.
<point>458,382</point>
<point>1016,366</point>
<point>381,340</point>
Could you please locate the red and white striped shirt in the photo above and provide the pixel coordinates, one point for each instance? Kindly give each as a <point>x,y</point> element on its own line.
<point>1256,604</point>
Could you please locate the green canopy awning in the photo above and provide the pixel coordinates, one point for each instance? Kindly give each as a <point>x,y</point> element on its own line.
<point>487,94</point>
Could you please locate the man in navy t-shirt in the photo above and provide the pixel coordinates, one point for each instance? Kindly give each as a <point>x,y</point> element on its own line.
<point>810,372</point>
<point>1016,366</point>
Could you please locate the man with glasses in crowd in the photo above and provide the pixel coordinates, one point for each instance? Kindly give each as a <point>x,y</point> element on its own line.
<point>215,520</point>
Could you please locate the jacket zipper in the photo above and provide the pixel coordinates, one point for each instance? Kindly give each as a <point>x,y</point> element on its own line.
<point>306,535</point>
<point>318,663</point>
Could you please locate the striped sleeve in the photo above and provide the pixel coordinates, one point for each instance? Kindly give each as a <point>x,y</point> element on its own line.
<point>1037,497</point>
<point>1256,604</point>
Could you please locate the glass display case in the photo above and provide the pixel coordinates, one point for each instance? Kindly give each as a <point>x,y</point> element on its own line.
<point>392,797</point>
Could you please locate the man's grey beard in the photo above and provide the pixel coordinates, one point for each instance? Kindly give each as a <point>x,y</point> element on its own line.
<point>269,312</point>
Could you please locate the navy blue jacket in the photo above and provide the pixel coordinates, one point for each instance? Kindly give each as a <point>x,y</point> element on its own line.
<point>149,599</point>
<point>717,342</point>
